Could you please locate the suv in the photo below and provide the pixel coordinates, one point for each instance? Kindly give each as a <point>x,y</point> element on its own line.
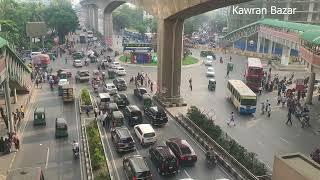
<point>133,115</point>
<point>164,160</point>
<point>135,167</point>
<point>145,134</point>
<point>183,151</point>
<point>122,139</point>
<point>157,116</point>
<point>120,83</point>
<point>121,100</point>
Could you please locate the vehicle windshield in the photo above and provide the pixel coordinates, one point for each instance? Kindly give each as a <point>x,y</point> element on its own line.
<point>127,140</point>
<point>185,150</point>
<point>144,174</point>
<point>210,70</point>
<point>248,102</point>
<point>39,116</point>
<point>148,135</point>
<point>143,91</point>
<point>136,114</point>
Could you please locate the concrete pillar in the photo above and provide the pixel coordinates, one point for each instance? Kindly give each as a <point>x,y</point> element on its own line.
<point>285,55</point>
<point>170,32</point>
<point>263,44</point>
<point>108,27</point>
<point>95,19</point>
<point>270,44</point>
<point>310,13</point>
<point>310,88</point>
<point>86,9</point>
<point>15,97</point>
<point>90,16</point>
<point>286,16</point>
<point>246,45</point>
<point>258,44</point>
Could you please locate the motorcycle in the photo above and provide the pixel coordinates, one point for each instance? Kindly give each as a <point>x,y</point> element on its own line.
<point>75,152</point>
<point>305,120</point>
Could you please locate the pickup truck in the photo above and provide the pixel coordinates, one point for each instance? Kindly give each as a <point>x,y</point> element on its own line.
<point>139,92</point>
<point>83,75</point>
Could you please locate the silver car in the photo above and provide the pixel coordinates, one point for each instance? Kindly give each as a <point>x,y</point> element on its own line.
<point>110,88</point>
<point>210,72</point>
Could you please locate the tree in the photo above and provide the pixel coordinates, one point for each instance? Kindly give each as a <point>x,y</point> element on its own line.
<point>194,23</point>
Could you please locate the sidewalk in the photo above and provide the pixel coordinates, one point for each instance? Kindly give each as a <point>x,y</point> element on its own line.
<point>7,159</point>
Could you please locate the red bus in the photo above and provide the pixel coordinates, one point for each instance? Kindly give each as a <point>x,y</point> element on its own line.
<point>254,74</point>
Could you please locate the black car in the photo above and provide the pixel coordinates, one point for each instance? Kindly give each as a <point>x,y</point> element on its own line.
<point>133,115</point>
<point>183,151</point>
<point>122,139</point>
<point>135,167</point>
<point>164,160</point>
<point>156,115</point>
<point>121,100</point>
<point>120,83</point>
<point>139,92</point>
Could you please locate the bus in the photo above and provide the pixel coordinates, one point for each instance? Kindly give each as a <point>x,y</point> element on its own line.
<point>31,173</point>
<point>243,98</point>
<point>254,74</point>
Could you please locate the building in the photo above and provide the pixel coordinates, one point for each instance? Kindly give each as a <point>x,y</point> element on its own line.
<point>308,11</point>
<point>295,167</point>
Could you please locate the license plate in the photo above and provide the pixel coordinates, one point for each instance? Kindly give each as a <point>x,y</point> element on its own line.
<point>248,107</point>
<point>170,167</point>
<point>189,158</point>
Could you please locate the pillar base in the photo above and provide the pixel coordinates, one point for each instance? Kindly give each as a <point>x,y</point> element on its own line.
<point>170,102</point>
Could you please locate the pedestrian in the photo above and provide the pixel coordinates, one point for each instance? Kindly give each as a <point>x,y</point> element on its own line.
<point>1,144</point>
<point>1,112</point>
<point>16,142</point>
<point>107,120</point>
<point>266,105</point>
<point>230,58</point>
<point>5,119</point>
<point>284,99</point>
<point>37,83</point>
<point>231,120</point>
<point>279,98</point>
<point>289,118</point>
<point>87,110</point>
<point>151,86</point>
<point>269,110</point>
<point>141,81</point>
<point>18,115</point>
<point>260,90</point>
<point>96,112</point>
<point>190,83</point>
<point>66,60</point>
<point>262,107</point>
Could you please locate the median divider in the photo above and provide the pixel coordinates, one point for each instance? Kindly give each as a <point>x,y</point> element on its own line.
<point>86,151</point>
<point>226,160</point>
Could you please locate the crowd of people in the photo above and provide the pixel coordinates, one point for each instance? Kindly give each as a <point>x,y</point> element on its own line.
<point>142,79</point>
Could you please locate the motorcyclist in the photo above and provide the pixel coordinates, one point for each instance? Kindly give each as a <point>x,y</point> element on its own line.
<point>210,156</point>
<point>75,146</point>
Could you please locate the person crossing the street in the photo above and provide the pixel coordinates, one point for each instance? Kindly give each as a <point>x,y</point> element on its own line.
<point>231,120</point>
<point>289,118</point>
<point>190,83</point>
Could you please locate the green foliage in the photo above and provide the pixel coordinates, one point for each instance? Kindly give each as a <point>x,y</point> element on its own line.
<point>85,97</point>
<point>247,159</point>
<point>98,161</point>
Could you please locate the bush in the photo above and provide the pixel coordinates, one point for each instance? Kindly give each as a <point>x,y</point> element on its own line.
<point>98,161</point>
<point>85,97</point>
<point>241,154</point>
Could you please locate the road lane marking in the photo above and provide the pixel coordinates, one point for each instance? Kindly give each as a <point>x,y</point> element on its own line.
<point>284,140</point>
<point>78,132</point>
<point>113,160</point>
<point>187,173</point>
<point>48,152</point>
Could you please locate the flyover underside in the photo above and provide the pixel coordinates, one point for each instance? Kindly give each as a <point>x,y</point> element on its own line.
<point>242,33</point>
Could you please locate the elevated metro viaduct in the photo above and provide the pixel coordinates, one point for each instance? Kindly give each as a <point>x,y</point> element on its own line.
<point>171,15</point>
<point>304,38</point>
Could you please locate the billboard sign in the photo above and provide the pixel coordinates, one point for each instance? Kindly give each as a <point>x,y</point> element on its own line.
<point>36,29</point>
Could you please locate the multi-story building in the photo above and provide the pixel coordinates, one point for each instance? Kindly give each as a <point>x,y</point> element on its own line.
<point>307,11</point>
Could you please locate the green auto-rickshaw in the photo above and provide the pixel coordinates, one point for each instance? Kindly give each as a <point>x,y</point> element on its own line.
<point>39,116</point>
<point>117,119</point>
<point>212,84</point>
<point>146,101</point>
<point>61,128</point>
<point>111,73</point>
<point>112,107</point>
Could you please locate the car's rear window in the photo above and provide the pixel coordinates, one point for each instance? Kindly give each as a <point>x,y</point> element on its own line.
<point>127,140</point>
<point>143,174</point>
<point>148,135</point>
<point>143,91</point>
<point>120,69</point>
<point>185,150</point>
<point>136,113</point>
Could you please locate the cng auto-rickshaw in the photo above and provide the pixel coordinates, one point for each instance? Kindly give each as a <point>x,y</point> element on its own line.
<point>117,119</point>
<point>61,128</point>
<point>104,100</point>
<point>112,107</point>
<point>111,73</point>
<point>60,84</point>
<point>146,101</point>
<point>212,84</point>
<point>39,116</point>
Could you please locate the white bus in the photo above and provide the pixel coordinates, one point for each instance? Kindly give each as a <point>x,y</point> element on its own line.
<point>243,98</point>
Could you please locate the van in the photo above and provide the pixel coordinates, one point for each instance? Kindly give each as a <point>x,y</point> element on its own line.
<point>145,134</point>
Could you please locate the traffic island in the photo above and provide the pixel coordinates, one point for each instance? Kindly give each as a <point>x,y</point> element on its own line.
<point>169,102</point>
<point>85,100</point>
<point>97,157</point>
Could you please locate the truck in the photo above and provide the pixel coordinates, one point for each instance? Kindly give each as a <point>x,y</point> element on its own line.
<point>67,93</point>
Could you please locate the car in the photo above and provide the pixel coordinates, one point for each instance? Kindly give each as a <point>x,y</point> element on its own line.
<point>122,139</point>
<point>114,65</point>
<point>68,71</point>
<point>121,100</point>
<point>82,75</point>
<point>208,62</point>
<point>156,115</point>
<point>120,71</point>
<point>110,88</point>
<point>133,115</point>
<point>120,83</point>
<point>135,167</point>
<point>182,150</point>
<point>77,63</point>
<point>139,92</point>
<point>78,55</point>
<point>164,160</point>
<point>210,72</point>
<point>145,134</point>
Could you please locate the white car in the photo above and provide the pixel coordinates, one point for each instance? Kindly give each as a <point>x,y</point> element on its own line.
<point>110,88</point>
<point>120,71</point>
<point>208,62</point>
<point>77,63</point>
<point>115,64</point>
<point>145,134</point>
<point>210,72</point>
